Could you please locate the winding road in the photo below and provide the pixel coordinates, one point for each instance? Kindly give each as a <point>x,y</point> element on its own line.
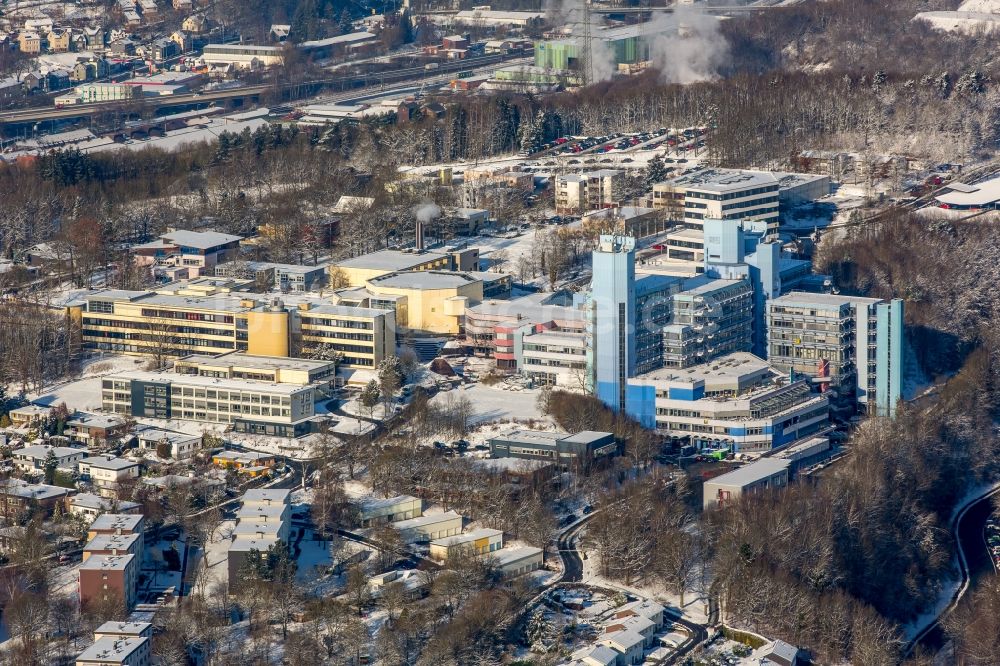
<point>573,576</point>
<point>973,561</point>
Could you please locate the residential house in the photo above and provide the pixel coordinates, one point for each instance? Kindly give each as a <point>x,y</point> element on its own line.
<point>29,42</point>
<point>32,459</point>
<point>113,544</point>
<point>626,643</point>
<point>124,630</point>
<point>247,463</point>
<point>183,40</point>
<point>29,415</point>
<point>595,655</point>
<point>92,429</point>
<point>196,23</point>
<point>108,473</point>
<point>59,40</point>
<point>182,5</point>
<point>19,497</point>
<point>165,49</point>
<point>179,445</point>
<point>89,506</point>
<point>778,653</point>
<point>57,80</point>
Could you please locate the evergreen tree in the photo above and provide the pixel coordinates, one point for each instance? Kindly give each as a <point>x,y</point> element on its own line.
<point>49,467</point>
<point>656,171</point>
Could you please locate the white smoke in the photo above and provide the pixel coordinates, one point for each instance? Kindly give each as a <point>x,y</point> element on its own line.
<point>686,46</point>
<point>427,212</point>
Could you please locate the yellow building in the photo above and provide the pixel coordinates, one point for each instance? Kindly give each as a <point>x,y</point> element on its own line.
<point>364,336</point>
<point>236,365</point>
<point>176,324</point>
<point>358,270</point>
<point>429,301</point>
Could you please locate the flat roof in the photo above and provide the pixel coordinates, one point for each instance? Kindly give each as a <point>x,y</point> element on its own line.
<point>369,504</point>
<point>510,555</point>
<point>159,434</point>
<point>344,311</point>
<point>280,495</point>
<point>974,194</point>
<point>211,382</point>
<point>91,501</point>
<point>732,366</point>
<point>203,240</point>
<point>481,533</point>
<point>104,462</point>
<point>215,302</point>
<point>755,471</point>
<point>544,437</point>
<point>552,337</point>
<point>95,420</point>
<point>111,650</point>
<point>248,543</point>
<point>107,562</point>
<point>722,180</point>
<point>424,280</point>
<point>392,260</point>
<point>623,212</point>
<point>429,519</point>
<point>111,542</point>
<point>703,285</point>
<point>116,521</point>
<point>586,437</point>
<point>123,628</point>
<point>36,491</point>
<point>821,300</point>
<point>349,38</point>
<point>241,360</point>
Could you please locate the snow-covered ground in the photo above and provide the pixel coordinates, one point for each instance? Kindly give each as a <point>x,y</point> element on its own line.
<point>494,404</point>
<point>84,394</point>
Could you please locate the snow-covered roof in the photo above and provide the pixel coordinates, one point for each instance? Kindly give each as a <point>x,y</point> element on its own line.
<point>976,194</point>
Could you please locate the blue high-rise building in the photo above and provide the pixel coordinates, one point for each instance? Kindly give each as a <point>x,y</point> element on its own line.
<point>612,353</point>
<point>889,355</point>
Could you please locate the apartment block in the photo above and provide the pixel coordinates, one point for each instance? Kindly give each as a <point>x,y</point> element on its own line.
<point>115,651</point>
<point>107,578</point>
<point>736,403</point>
<point>266,408</point>
<point>593,190</point>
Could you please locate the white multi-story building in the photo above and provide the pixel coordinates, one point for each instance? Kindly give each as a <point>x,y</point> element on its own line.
<point>722,194</point>
<point>593,190</point>
<point>709,318</point>
<point>106,473</point>
<point>735,402</point>
<point>555,357</point>
<point>266,408</point>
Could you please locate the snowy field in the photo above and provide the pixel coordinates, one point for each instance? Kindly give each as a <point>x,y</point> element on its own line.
<point>493,404</point>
